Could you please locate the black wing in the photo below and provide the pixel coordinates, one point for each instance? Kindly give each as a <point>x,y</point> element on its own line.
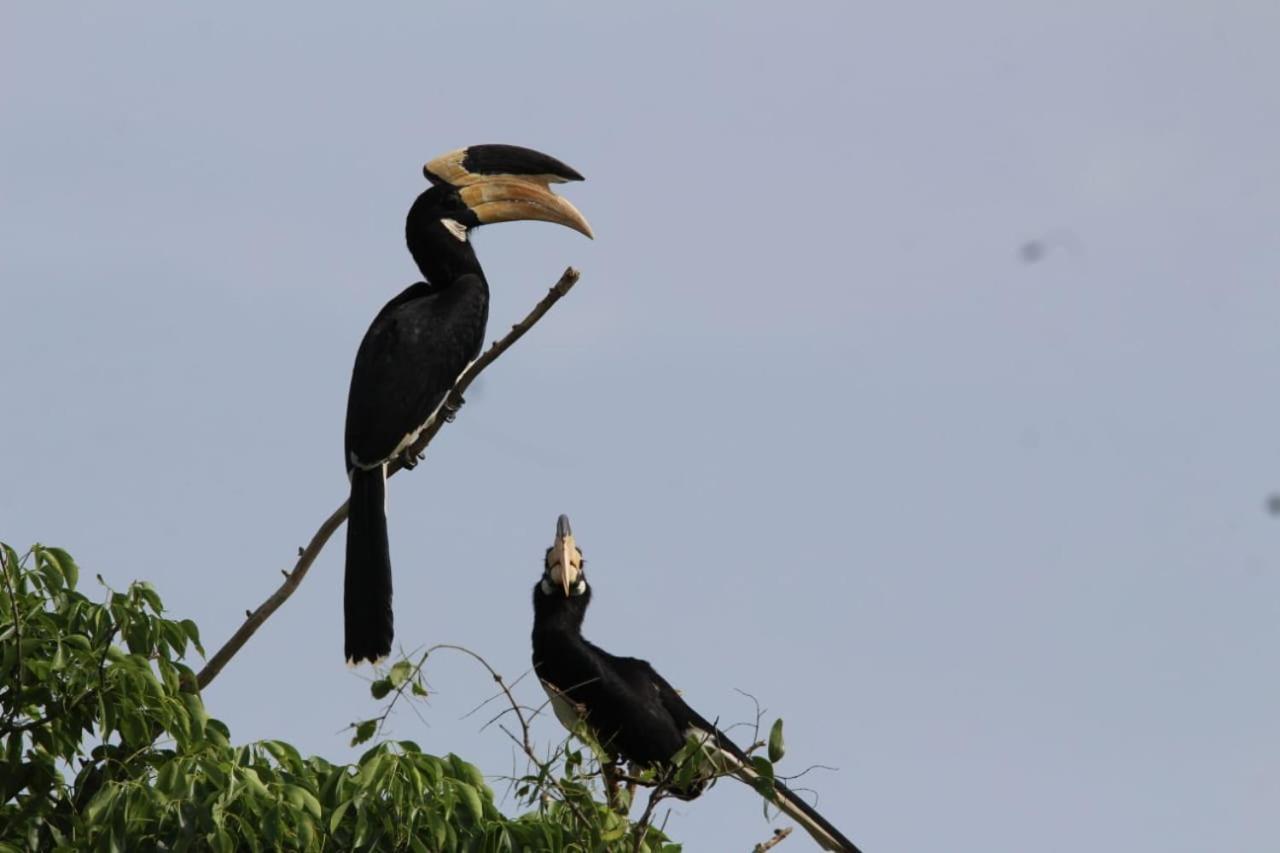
<point>623,709</point>
<point>413,351</point>
<point>736,761</point>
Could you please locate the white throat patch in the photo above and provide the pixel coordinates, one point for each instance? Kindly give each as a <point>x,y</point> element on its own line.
<point>455,228</point>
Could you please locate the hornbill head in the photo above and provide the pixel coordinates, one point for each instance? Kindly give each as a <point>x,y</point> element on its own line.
<point>505,183</point>
<point>478,185</point>
<point>563,567</point>
<point>483,184</point>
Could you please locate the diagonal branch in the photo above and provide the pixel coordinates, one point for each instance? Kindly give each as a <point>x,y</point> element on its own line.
<point>779,836</point>
<point>307,555</point>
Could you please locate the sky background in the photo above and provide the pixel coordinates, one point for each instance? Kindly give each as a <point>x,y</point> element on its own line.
<point>989,534</point>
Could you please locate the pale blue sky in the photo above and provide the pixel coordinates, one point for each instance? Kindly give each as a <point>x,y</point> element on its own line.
<point>989,535</point>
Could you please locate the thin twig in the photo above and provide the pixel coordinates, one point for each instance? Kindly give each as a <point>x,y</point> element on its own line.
<point>308,555</point>
<point>515,706</point>
<point>523,741</point>
<point>755,732</point>
<point>779,835</point>
<point>641,828</point>
<point>808,770</point>
<point>633,780</point>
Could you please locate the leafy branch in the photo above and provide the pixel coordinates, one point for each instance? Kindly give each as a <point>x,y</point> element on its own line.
<point>107,748</point>
<point>561,785</point>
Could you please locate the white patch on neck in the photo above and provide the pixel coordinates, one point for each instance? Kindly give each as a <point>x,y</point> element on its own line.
<point>455,228</point>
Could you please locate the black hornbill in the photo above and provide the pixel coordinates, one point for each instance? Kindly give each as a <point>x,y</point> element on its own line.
<point>419,344</point>
<point>630,709</point>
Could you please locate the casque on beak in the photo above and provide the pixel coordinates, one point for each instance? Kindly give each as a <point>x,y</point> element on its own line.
<point>505,183</point>
<point>565,562</point>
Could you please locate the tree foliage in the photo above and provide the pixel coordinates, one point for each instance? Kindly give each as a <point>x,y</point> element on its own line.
<point>107,745</point>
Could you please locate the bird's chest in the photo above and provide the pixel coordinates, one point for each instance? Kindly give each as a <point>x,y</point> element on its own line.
<point>453,320</point>
<point>627,721</point>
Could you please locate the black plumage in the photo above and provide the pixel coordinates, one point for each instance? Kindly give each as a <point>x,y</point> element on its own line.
<point>631,710</point>
<point>418,345</point>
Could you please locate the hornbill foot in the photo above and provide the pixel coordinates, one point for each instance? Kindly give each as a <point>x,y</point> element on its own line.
<point>409,460</point>
<point>448,411</point>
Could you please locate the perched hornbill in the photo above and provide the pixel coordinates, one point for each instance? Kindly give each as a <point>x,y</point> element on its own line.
<point>631,710</point>
<point>420,342</point>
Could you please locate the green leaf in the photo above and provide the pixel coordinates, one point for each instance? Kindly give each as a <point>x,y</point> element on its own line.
<point>399,673</point>
<point>222,841</point>
<point>471,798</point>
<point>101,803</point>
<point>362,827</point>
<point>66,566</point>
<point>380,688</point>
<point>285,754</point>
<point>364,731</point>
<point>148,594</point>
<point>167,779</point>
<point>199,716</point>
<point>193,634</point>
<point>764,769</point>
<point>307,832</point>
<point>336,818</point>
<point>254,782</point>
<point>174,637</point>
<point>50,569</point>
<point>300,797</point>
<point>79,642</point>
<point>615,828</point>
<point>466,771</point>
<point>776,747</point>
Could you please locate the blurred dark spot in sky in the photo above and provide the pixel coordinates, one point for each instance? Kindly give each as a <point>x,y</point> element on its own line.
<point>1273,504</point>
<point>1031,252</point>
<point>1036,249</point>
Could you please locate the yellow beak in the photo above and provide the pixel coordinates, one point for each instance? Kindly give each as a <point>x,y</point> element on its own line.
<point>518,187</point>
<point>566,564</point>
<point>509,199</point>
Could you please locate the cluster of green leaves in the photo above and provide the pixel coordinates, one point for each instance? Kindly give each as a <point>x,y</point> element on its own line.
<point>107,746</point>
<point>700,760</point>
<point>562,787</point>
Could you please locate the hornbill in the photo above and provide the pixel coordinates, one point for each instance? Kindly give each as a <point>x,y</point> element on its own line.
<point>627,706</point>
<point>419,344</point>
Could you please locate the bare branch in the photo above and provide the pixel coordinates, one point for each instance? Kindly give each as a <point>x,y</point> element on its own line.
<point>506,691</point>
<point>523,741</point>
<point>806,771</point>
<point>308,555</point>
<point>641,828</point>
<point>779,835</point>
<point>755,732</point>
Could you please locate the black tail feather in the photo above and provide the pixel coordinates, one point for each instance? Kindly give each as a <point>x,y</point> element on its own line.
<point>367,582</point>
<point>799,806</point>
<point>787,800</point>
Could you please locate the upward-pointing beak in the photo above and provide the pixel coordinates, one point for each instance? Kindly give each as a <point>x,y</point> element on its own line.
<point>564,557</point>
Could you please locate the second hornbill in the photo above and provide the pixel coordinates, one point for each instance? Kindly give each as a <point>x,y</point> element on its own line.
<point>628,707</point>
<point>419,344</point>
